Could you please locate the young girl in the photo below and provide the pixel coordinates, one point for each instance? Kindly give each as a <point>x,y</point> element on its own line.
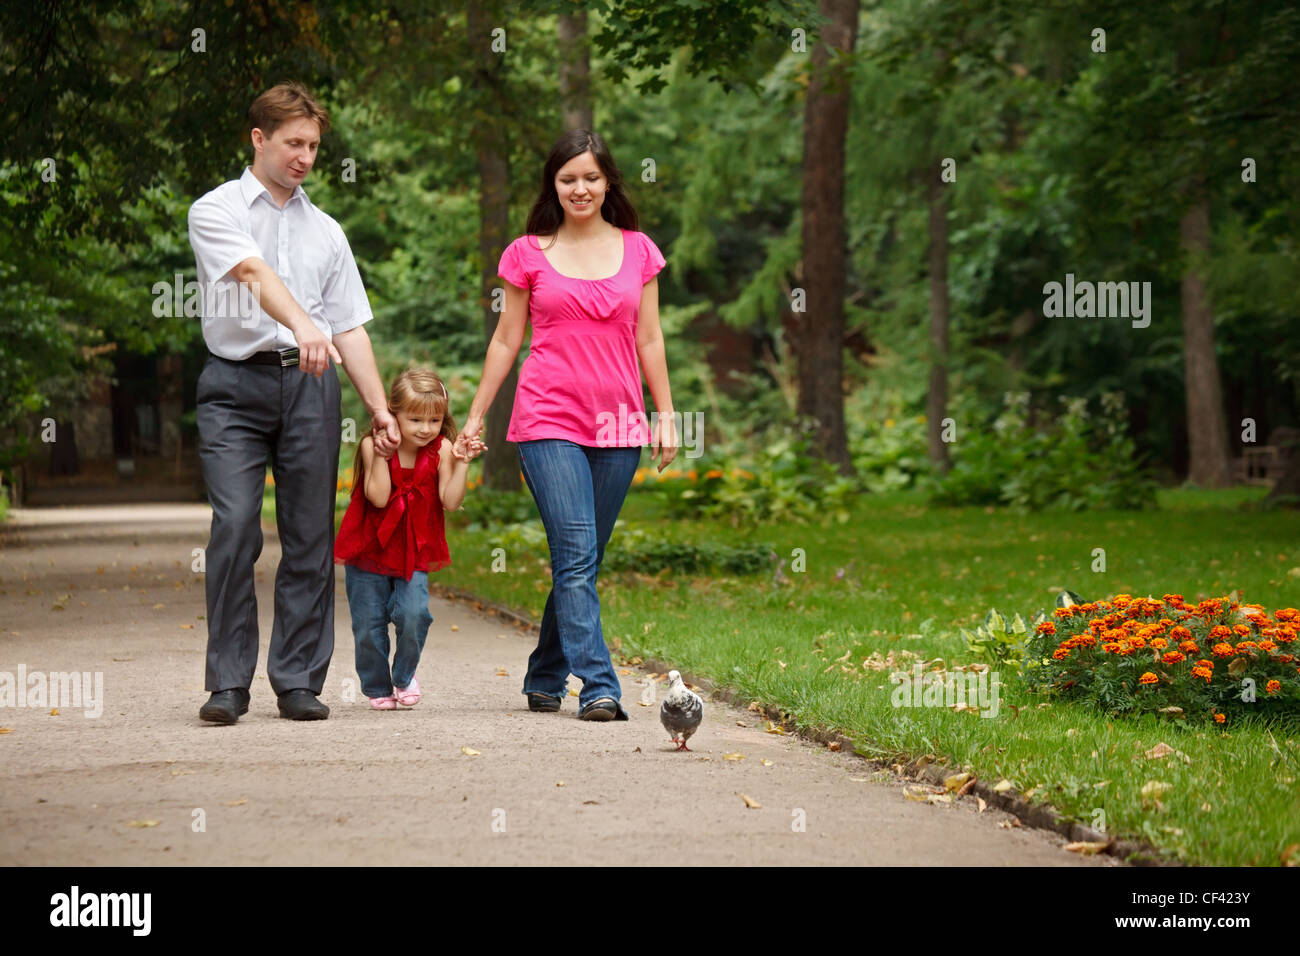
<point>392,536</point>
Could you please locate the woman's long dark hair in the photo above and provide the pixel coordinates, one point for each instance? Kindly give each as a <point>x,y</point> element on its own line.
<point>547,214</point>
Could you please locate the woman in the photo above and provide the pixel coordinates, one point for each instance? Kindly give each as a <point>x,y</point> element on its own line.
<point>585,278</point>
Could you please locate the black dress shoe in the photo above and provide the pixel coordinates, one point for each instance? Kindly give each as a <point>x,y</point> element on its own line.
<point>544,703</point>
<point>301,704</point>
<point>225,706</point>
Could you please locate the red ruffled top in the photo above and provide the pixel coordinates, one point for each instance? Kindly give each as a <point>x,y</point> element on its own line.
<point>407,534</point>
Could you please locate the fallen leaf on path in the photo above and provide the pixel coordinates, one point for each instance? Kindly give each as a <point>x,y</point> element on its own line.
<point>733,756</point>
<point>157,606</point>
<point>833,745</point>
<point>181,773</point>
<point>982,804</point>
<point>144,823</point>
<point>766,762</point>
<point>187,627</point>
<point>469,751</point>
<point>1003,785</point>
<point>455,627</point>
<point>6,730</point>
<point>1086,849</point>
<point>625,672</point>
<point>235,803</point>
<point>54,712</point>
<point>956,781</point>
<point>751,802</point>
<point>501,672</point>
<point>755,706</point>
<point>559,783</point>
<point>774,729</point>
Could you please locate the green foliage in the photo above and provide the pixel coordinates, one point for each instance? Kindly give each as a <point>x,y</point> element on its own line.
<point>998,642</point>
<point>487,509</point>
<point>641,551</point>
<point>779,481</point>
<point>1073,463</point>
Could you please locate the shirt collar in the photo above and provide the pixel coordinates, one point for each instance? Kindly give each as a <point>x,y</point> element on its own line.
<point>251,188</point>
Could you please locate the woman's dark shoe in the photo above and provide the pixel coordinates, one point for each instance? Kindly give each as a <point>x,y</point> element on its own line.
<point>225,706</point>
<point>301,704</point>
<point>603,708</point>
<point>544,703</point>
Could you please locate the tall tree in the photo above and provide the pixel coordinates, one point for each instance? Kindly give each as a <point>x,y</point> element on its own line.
<point>820,346</point>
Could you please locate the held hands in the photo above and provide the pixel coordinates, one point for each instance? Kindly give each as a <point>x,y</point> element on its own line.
<point>386,434</point>
<point>467,449</point>
<point>664,439</point>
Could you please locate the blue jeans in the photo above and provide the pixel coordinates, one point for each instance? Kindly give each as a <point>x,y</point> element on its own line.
<point>376,599</point>
<point>579,491</point>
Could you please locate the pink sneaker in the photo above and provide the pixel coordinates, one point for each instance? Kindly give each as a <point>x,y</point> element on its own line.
<point>383,703</point>
<point>408,696</point>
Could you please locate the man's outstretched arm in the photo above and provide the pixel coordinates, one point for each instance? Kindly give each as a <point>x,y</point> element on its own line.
<point>275,299</point>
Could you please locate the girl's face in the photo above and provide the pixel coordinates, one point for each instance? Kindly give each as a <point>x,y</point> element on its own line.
<point>418,429</point>
<point>581,187</point>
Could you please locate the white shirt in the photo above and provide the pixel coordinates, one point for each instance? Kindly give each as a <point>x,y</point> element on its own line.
<point>305,247</point>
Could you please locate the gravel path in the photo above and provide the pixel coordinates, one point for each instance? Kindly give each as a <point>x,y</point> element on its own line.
<point>108,590</point>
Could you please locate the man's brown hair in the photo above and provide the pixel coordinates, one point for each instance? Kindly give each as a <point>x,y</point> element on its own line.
<point>284,102</point>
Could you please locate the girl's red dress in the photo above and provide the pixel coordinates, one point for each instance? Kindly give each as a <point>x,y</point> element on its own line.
<point>407,534</point>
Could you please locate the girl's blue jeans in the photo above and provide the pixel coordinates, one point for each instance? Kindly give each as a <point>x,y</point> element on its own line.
<point>579,492</point>
<point>376,599</point>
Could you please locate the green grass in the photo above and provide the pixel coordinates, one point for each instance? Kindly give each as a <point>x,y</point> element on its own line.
<point>917,575</point>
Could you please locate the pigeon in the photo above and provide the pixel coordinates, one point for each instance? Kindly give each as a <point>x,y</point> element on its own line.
<point>681,711</point>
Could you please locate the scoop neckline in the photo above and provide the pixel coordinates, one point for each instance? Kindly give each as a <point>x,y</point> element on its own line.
<point>618,272</point>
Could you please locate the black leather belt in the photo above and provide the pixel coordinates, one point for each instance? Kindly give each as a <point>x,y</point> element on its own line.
<point>283,358</point>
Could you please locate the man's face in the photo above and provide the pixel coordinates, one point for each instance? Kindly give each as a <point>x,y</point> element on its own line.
<point>288,154</point>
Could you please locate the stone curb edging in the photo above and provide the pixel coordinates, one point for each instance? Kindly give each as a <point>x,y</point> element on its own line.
<point>928,768</point>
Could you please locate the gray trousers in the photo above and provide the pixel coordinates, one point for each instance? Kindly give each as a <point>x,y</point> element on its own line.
<point>246,414</point>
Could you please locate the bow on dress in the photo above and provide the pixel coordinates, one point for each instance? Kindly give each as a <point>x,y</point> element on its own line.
<point>418,484</point>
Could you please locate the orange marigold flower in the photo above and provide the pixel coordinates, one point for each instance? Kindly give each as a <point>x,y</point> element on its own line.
<point>1273,686</point>
<point>1267,646</point>
<point>1110,647</point>
<point>1119,600</point>
<point>1205,663</point>
<point>1180,633</point>
<point>1219,718</point>
<point>1189,647</point>
<point>1284,658</point>
<point>1202,673</point>
<point>1173,657</point>
<point>1060,654</point>
<point>1137,643</point>
<point>1148,678</point>
<point>1222,650</point>
<point>1241,630</point>
<point>1062,612</point>
<point>1286,634</point>
<point>1287,614</point>
<point>1159,643</point>
<point>1220,630</point>
<point>1245,647</point>
<point>1046,627</point>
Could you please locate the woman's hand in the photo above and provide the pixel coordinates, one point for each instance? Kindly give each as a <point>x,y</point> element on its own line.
<point>664,439</point>
<point>467,449</point>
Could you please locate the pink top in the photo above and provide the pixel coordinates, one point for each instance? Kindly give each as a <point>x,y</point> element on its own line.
<point>581,380</point>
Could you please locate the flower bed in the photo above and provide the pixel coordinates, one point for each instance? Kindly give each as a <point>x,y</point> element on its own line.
<point>1217,659</point>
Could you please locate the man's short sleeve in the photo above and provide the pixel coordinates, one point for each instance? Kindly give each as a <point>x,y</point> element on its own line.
<point>220,242</point>
<point>511,267</point>
<point>344,295</point>
<point>654,260</point>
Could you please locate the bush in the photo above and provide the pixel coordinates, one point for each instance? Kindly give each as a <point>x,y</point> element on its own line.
<point>1165,656</point>
<point>780,482</point>
<point>635,551</point>
<point>1074,464</point>
<point>891,456</point>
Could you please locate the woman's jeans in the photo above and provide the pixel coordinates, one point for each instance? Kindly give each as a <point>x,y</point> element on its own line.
<point>376,599</point>
<point>579,491</point>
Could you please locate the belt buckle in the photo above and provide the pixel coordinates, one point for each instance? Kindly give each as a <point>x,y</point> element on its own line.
<point>288,357</point>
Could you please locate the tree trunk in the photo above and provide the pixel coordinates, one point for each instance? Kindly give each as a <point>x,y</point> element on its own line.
<point>575,71</point>
<point>820,347</point>
<point>936,404</point>
<point>1207,429</point>
<point>500,461</point>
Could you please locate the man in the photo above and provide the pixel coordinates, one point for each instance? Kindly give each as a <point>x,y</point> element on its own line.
<point>268,389</point>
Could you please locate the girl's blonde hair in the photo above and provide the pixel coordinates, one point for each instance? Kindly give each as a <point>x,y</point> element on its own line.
<point>417,391</point>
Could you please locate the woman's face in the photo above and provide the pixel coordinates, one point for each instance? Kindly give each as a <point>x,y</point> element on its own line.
<point>581,187</point>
